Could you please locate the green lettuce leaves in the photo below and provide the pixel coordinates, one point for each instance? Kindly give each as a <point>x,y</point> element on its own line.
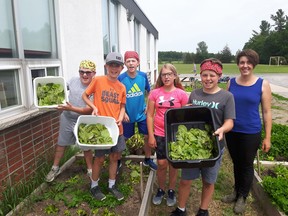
<point>191,144</point>
<point>50,94</point>
<point>94,134</point>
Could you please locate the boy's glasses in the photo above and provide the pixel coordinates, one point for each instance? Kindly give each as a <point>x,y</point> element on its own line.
<point>167,74</point>
<point>85,72</point>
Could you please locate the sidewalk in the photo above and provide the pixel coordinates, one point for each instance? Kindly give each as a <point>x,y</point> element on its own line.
<point>279,90</point>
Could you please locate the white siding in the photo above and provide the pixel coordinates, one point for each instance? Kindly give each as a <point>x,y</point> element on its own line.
<point>80,33</point>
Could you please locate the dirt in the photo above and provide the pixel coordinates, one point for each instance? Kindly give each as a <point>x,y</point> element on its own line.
<point>131,205</point>
<point>279,111</point>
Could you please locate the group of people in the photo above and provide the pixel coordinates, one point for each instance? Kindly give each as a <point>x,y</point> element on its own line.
<point>119,96</point>
<point>122,96</point>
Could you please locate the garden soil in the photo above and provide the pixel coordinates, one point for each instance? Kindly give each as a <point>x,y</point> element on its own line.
<point>132,204</point>
<point>130,207</point>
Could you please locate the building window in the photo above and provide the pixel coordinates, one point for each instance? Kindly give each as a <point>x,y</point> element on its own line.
<point>110,26</point>
<point>28,49</point>
<point>37,28</point>
<point>9,89</point>
<point>148,51</point>
<point>52,71</point>
<point>49,71</point>
<point>137,36</point>
<point>7,32</point>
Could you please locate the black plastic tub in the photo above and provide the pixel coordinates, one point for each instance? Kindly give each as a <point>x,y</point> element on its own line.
<point>191,117</point>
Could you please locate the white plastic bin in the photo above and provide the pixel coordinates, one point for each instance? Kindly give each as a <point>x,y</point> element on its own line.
<point>45,80</point>
<point>108,122</point>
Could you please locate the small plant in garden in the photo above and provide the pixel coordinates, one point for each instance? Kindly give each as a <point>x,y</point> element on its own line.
<point>135,171</point>
<point>136,142</point>
<point>106,212</point>
<point>81,212</point>
<point>51,209</point>
<point>67,213</point>
<point>277,187</point>
<point>95,211</point>
<point>279,147</point>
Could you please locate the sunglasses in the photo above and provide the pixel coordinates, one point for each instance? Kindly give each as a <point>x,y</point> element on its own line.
<point>114,65</point>
<point>85,72</point>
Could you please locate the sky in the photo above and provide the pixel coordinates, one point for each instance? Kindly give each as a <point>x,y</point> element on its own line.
<point>182,24</point>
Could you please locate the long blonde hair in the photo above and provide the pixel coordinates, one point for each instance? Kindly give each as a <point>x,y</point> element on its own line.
<point>177,82</point>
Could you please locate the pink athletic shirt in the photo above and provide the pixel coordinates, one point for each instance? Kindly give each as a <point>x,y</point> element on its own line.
<point>163,101</point>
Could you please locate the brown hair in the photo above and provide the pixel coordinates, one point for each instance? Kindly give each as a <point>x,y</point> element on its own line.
<point>177,82</point>
<point>252,56</point>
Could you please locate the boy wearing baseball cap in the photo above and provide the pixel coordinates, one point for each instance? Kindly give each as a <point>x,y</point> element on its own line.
<point>109,100</point>
<point>137,85</point>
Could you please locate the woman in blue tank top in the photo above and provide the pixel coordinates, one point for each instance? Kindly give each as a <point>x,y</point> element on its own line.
<point>243,140</point>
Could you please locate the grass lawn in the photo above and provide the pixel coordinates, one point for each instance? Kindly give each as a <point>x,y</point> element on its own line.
<point>231,68</point>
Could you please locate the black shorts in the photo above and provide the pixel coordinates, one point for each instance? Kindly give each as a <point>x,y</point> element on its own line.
<point>161,147</point>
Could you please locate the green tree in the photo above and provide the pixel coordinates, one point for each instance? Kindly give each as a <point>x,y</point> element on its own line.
<point>188,58</point>
<point>280,20</point>
<point>225,56</point>
<point>271,42</point>
<point>275,45</point>
<point>169,56</point>
<point>264,29</point>
<point>257,43</point>
<point>201,52</point>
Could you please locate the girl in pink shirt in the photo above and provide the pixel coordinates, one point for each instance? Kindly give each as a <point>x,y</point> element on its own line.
<point>168,93</point>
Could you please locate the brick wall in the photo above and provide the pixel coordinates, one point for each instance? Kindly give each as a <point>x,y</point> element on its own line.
<point>25,146</point>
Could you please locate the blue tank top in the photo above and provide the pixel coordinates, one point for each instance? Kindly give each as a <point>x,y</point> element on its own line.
<point>247,101</point>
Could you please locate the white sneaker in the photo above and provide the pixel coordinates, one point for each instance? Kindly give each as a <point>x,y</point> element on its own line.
<point>52,174</point>
<point>89,173</point>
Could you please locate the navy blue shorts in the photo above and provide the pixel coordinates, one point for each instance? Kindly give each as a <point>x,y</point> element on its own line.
<point>129,128</point>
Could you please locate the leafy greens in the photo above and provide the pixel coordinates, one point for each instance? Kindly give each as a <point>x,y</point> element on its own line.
<point>94,134</point>
<point>191,144</point>
<point>50,94</point>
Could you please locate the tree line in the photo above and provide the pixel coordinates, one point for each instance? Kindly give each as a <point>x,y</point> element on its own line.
<point>271,40</point>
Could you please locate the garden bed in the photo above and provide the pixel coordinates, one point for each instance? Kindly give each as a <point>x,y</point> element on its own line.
<point>69,193</point>
<point>263,198</point>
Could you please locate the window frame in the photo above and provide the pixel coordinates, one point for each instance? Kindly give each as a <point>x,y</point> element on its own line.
<point>24,66</point>
<point>110,25</point>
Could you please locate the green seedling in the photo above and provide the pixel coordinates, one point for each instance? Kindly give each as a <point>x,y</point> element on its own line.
<point>51,209</point>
